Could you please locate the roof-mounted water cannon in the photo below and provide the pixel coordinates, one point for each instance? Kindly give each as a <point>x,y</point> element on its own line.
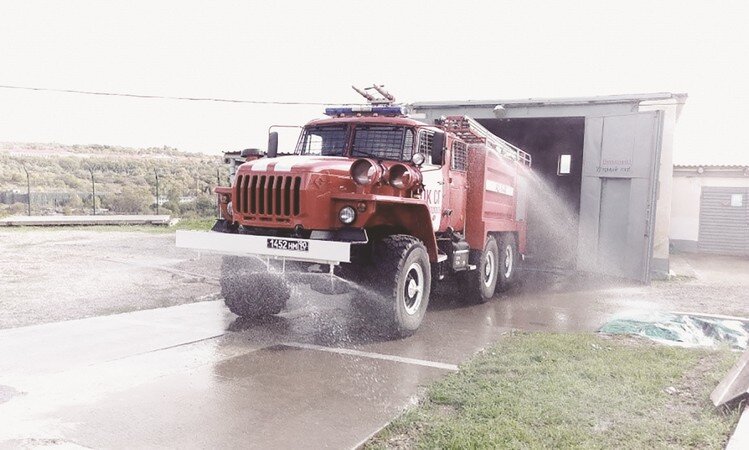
<point>378,106</point>
<point>386,99</point>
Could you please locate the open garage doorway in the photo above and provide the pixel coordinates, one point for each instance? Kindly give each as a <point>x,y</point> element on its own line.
<point>556,146</point>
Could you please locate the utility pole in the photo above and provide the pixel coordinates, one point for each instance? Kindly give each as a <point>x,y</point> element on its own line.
<point>156,173</point>
<point>93,190</point>
<point>218,183</point>
<point>28,191</point>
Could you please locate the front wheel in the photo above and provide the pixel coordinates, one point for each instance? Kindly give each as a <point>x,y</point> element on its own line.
<point>404,279</point>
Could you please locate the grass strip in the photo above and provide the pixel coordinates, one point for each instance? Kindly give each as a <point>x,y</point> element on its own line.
<point>542,390</point>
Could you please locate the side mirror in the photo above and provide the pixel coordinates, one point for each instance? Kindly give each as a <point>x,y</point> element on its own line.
<point>272,144</point>
<point>438,147</point>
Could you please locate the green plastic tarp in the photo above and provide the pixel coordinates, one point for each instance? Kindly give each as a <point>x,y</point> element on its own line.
<point>683,329</point>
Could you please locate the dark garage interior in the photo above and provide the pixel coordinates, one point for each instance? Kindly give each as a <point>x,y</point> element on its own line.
<point>556,146</point>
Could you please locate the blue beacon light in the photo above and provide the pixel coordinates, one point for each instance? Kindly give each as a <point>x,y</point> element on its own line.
<point>350,111</point>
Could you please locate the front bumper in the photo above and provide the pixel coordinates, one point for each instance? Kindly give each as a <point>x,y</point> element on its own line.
<point>317,251</point>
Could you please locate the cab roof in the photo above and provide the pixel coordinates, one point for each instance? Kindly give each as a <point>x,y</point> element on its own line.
<point>368,119</point>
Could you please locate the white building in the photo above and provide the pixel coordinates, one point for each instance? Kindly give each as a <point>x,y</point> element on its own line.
<point>710,209</point>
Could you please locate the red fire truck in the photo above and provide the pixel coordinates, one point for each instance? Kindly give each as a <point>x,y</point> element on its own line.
<point>386,203</point>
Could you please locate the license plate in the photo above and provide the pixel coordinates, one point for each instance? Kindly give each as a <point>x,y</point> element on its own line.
<point>288,244</point>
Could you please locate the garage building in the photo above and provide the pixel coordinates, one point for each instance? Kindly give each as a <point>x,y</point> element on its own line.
<point>604,168</point>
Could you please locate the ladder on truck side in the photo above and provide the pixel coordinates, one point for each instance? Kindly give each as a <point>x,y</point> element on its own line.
<point>472,132</point>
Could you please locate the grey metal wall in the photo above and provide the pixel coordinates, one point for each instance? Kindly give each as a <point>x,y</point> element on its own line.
<point>724,228</point>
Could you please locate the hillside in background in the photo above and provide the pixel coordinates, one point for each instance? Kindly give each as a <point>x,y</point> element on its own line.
<point>124,180</point>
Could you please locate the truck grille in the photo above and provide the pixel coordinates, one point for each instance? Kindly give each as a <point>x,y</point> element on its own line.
<point>267,196</point>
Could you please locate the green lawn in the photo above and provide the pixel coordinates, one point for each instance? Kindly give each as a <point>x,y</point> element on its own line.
<point>538,390</point>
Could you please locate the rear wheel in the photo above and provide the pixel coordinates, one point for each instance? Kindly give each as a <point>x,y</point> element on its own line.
<point>249,290</point>
<point>508,262</point>
<point>403,278</point>
<point>482,281</point>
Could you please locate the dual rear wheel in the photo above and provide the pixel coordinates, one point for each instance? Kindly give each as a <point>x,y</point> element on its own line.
<point>495,270</point>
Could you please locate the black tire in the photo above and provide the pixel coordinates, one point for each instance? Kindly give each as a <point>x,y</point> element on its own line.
<point>508,262</point>
<point>482,281</point>
<point>249,290</point>
<point>403,279</point>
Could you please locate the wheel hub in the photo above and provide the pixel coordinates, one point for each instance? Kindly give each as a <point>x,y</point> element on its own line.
<point>508,261</point>
<point>413,288</point>
<point>489,269</point>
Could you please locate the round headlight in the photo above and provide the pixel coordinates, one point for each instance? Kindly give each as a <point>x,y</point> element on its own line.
<point>365,172</point>
<point>347,215</point>
<point>402,177</point>
<point>418,159</point>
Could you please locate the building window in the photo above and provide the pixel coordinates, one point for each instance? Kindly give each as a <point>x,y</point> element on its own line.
<point>564,165</point>
<point>737,199</point>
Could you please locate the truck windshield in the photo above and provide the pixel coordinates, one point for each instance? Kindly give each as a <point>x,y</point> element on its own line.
<point>326,141</point>
<point>371,141</point>
<point>383,142</point>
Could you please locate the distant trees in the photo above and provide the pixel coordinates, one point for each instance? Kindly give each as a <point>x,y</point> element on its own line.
<point>132,200</point>
<point>125,181</point>
<point>205,206</point>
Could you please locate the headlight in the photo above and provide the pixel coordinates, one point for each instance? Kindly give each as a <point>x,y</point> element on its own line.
<point>402,177</point>
<point>229,210</point>
<point>365,172</point>
<point>347,215</point>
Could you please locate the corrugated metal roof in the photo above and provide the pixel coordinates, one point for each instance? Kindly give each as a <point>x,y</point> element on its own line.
<point>601,99</point>
<point>712,166</point>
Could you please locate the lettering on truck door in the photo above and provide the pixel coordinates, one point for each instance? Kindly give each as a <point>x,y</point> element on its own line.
<point>433,192</point>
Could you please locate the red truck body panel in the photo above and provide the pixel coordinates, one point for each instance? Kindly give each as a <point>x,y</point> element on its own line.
<point>492,197</point>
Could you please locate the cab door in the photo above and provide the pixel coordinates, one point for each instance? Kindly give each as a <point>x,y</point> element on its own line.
<point>436,183</point>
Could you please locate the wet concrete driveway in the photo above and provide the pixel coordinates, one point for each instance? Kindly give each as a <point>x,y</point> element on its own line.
<point>318,375</point>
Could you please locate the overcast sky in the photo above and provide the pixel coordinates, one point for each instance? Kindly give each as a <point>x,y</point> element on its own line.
<point>313,51</point>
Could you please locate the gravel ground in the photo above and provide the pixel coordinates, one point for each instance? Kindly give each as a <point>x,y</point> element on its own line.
<point>54,275</point>
<point>711,284</point>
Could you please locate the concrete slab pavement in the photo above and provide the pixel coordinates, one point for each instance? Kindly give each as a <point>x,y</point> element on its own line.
<point>318,375</point>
